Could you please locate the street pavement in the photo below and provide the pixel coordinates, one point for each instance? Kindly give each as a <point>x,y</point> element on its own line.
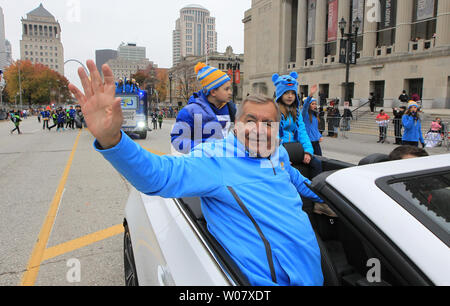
<point>62,204</point>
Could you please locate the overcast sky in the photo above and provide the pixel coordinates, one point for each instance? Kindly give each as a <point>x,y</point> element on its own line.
<point>89,25</point>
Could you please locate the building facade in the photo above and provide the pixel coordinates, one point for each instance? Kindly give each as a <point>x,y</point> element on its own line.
<point>195,33</point>
<point>131,52</point>
<point>3,52</point>
<point>103,56</point>
<point>401,45</point>
<point>184,78</point>
<point>130,59</point>
<point>41,40</point>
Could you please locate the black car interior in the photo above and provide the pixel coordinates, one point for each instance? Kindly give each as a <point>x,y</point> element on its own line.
<point>345,253</point>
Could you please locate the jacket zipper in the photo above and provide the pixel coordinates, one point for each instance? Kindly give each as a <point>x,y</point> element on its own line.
<point>261,234</point>
<point>273,167</point>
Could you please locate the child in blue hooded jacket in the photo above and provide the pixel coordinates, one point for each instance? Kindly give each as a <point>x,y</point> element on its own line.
<point>411,121</point>
<point>292,126</point>
<point>311,119</point>
<point>209,113</point>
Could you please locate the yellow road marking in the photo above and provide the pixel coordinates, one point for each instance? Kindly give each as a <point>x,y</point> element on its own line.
<point>154,152</point>
<point>30,275</point>
<point>82,242</point>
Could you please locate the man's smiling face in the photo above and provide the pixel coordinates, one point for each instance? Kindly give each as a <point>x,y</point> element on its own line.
<point>257,128</point>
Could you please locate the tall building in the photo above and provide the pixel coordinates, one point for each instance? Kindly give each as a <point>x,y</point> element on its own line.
<point>41,40</point>
<point>131,52</point>
<point>130,58</point>
<point>8,48</point>
<point>103,56</point>
<point>195,33</point>
<point>401,45</point>
<point>3,54</point>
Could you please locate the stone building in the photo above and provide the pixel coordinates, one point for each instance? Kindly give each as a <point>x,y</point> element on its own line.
<point>184,79</point>
<point>401,45</point>
<point>41,40</point>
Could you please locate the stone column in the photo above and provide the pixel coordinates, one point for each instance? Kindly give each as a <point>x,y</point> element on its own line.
<point>370,36</point>
<point>302,21</point>
<point>403,31</point>
<point>285,44</point>
<point>344,12</point>
<point>443,23</point>
<point>319,44</point>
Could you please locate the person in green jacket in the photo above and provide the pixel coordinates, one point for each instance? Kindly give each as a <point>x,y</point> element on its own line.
<point>15,118</point>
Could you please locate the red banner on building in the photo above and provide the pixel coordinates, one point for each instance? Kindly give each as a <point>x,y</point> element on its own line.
<point>237,77</point>
<point>332,20</point>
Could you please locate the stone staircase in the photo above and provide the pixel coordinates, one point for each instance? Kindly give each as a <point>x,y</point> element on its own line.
<point>364,121</point>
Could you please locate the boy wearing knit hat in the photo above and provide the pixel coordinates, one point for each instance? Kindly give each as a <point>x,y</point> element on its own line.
<point>209,113</point>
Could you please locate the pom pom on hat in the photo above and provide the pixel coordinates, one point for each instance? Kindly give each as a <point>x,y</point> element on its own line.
<point>199,67</point>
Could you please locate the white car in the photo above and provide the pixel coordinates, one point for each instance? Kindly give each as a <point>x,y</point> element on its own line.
<point>390,227</point>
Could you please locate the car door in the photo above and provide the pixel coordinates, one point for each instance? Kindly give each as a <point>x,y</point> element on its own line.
<point>361,253</point>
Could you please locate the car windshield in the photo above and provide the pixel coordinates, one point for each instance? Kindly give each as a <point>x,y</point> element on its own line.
<point>429,194</point>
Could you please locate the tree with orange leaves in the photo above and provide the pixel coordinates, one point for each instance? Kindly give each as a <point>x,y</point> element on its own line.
<point>40,84</point>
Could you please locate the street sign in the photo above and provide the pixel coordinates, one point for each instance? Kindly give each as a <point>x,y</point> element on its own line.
<point>343,52</point>
<point>354,51</point>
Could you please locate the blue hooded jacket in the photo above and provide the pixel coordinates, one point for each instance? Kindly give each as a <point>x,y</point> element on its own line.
<point>412,129</point>
<point>240,194</point>
<point>197,114</point>
<point>291,130</point>
<point>312,128</point>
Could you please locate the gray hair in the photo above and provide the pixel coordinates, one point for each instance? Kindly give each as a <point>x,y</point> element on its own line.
<point>259,99</point>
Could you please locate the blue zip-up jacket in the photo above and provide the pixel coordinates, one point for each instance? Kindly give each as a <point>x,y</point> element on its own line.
<point>284,251</point>
<point>199,115</point>
<point>45,114</point>
<point>291,131</point>
<point>61,117</point>
<point>119,88</point>
<point>312,128</point>
<point>412,129</point>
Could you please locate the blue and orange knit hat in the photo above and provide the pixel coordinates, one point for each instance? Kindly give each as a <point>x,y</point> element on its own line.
<point>210,77</point>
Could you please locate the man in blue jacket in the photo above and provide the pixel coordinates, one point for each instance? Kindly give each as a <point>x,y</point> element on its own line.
<point>209,112</point>
<point>250,193</point>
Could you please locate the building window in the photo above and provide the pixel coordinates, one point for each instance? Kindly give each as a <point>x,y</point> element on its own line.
<point>424,19</point>
<point>386,28</point>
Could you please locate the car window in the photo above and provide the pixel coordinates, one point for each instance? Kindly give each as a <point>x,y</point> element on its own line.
<point>429,194</point>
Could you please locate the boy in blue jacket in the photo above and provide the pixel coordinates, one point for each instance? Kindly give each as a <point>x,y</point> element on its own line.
<point>252,204</point>
<point>209,113</point>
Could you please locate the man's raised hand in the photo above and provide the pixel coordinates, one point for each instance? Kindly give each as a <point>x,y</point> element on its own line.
<point>101,109</point>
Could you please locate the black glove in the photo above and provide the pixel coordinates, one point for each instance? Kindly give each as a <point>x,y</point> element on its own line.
<point>423,145</point>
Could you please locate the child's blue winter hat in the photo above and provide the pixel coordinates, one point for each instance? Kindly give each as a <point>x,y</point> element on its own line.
<point>285,83</point>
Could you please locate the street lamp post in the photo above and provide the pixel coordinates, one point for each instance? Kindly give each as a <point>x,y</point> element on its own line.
<point>232,65</point>
<point>350,51</point>
<point>170,87</point>
<point>20,84</point>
